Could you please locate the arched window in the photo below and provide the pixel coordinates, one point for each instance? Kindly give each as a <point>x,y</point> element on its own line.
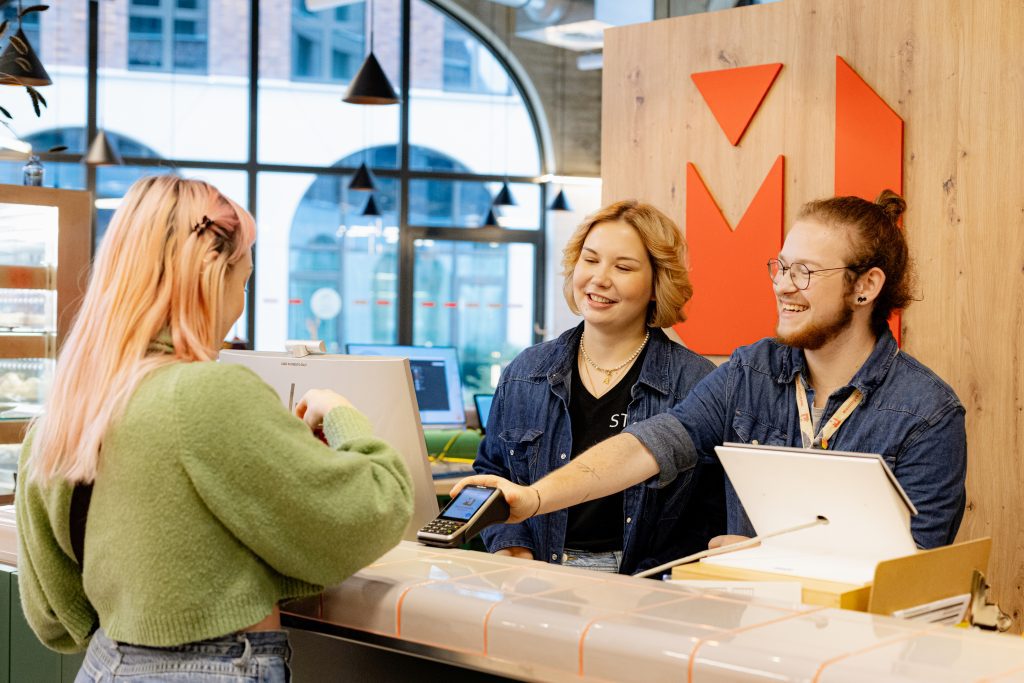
<point>181,100</point>
<point>346,256</point>
<point>427,256</point>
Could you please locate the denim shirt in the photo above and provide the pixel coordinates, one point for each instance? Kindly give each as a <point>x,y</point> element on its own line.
<point>908,416</point>
<point>529,434</point>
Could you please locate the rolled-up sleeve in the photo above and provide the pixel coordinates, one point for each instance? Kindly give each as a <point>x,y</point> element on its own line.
<point>689,430</point>
<point>666,438</point>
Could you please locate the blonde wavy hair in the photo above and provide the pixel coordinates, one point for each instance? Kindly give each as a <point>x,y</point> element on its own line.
<point>666,249</point>
<point>161,267</point>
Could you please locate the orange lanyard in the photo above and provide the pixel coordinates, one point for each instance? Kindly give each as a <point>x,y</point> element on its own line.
<point>831,426</point>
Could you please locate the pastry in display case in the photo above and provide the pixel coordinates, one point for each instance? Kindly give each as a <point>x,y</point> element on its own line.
<point>45,248</point>
<point>24,384</point>
<point>26,310</point>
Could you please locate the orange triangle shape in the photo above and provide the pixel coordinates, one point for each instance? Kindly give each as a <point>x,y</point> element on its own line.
<point>734,95</point>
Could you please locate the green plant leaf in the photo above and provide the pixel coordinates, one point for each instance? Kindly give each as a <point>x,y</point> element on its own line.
<point>33,8</point>
<point>38,94</point>
<point>37,100</point>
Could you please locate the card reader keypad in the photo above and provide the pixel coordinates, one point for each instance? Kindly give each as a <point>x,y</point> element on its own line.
<point>443,527</point>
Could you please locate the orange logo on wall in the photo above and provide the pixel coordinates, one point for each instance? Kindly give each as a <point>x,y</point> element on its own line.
<point>733,303</point>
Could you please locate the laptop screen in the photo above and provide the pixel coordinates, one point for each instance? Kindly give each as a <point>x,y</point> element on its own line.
<point>435,377</point>
<point>483,408</point>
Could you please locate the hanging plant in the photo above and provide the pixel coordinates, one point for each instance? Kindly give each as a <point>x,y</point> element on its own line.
<point>19,64</point>
<point>19,53</point>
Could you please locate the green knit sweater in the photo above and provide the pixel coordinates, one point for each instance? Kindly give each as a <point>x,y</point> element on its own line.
<point>211,504</point>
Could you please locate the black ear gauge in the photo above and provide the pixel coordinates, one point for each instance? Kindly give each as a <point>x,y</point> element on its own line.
<point>861,299</point>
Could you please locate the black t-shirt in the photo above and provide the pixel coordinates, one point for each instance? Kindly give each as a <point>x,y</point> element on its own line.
<point>597,525</point>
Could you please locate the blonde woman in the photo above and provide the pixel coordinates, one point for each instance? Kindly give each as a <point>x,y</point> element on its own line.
<point>625,274</point>
<point>167,503</point>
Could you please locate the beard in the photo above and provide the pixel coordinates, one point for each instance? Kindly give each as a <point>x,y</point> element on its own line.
<point>818,334</point>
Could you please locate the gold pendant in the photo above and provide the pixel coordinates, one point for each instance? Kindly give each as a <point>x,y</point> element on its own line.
<point>607,377</point>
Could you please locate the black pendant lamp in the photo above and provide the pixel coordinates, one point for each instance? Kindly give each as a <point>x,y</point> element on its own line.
<point>560,203</point>
<point>371,84</point>
<point>19,64</point>
<point>362,181</point>
<point>371,208</point>
<point>504,197</point>
<point>491,220</point>
<point>102,152</point>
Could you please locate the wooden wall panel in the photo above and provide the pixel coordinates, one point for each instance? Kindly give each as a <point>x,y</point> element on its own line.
<point>953,70</point>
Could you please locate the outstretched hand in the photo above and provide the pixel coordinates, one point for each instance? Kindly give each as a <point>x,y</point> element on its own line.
<point>523,501</point>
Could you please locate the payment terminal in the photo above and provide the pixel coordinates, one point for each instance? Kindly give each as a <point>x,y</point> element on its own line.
<point>469,513</point>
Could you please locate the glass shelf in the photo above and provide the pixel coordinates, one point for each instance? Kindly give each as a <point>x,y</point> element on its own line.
<point>27,310</point>
<point>24,382</point>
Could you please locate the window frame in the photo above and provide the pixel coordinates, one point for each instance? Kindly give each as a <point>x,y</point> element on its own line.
<point>168,12</point>
<point>324,33</point>
<point>408,233</point>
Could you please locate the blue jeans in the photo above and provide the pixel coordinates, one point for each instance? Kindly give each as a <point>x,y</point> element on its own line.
<point>254,657</point>
<point>596,562</point>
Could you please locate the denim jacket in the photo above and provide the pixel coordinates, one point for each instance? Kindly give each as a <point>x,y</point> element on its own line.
<point>909,416</point>
<point>529,435</point>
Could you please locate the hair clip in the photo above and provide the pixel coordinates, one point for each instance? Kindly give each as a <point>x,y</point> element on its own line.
<point>202,225</point>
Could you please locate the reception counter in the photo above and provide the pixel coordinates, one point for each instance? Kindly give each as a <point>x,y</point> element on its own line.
<point>530,621</point>
<point>457,615</point>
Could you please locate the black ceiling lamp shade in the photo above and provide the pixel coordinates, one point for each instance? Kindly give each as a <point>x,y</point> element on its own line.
<point>102,152</point>
<point>362,181</point>
<point>491,220</point>
<point>505,197</point>
<point>371,85</point>
<point>371,207</point>
<point>19,64</point>
<point>560,203</point>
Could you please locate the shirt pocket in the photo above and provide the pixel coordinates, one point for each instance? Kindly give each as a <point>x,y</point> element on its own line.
<point>748,429</point>
<point>521,449</point>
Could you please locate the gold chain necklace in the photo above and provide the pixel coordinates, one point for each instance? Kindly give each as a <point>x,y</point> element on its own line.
<point>608,373</point>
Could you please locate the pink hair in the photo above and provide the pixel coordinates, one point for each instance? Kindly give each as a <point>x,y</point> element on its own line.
<point>160,268</point>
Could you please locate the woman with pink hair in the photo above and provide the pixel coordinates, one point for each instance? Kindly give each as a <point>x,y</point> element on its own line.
<point>166,502</point>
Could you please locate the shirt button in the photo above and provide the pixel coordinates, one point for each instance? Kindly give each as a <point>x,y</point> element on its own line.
<point>629,520</point>
<point>554,557</point>
<point>754,442</point>
<point>512,452</point>
<point>563,456</point>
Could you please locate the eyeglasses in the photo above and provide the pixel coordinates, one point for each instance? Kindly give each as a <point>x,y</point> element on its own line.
<point>799,273</point>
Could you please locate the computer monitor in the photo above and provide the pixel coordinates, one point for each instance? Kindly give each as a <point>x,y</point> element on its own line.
<point>483,408</point>
<point>381,388</point>
<point>435,375</point>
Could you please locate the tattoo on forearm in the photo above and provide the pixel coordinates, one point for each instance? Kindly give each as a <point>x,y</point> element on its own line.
<point>587,469</point>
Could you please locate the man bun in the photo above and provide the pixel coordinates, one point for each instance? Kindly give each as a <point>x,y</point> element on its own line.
<point>892,205</point>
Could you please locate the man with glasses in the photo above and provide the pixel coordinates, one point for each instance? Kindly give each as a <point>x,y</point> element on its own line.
<point>832,378</point>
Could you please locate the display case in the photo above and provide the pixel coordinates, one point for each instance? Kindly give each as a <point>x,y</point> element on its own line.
<point>45,250</point>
